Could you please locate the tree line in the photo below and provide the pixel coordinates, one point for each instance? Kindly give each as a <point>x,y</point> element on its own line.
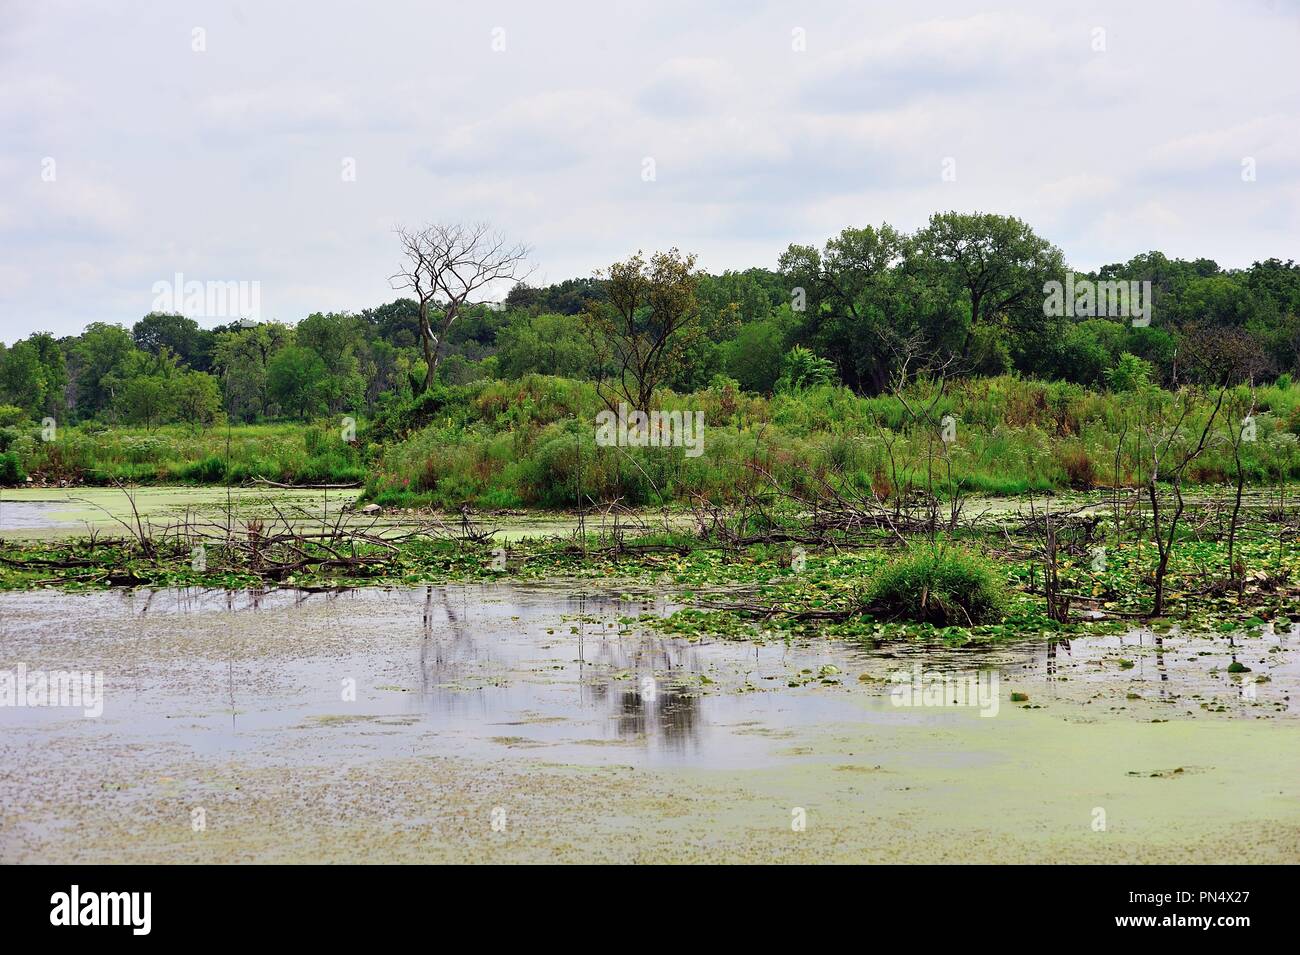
<point>966,292</point>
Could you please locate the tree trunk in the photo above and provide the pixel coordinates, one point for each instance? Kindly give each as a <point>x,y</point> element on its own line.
<point>433,346</point>
<point>426,340</point>
<point>1159,602</point>
<point>1158,607</point>
<point>1236,510</point>
<point>970,329</point>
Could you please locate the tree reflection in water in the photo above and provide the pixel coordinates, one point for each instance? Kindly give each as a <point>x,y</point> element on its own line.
<point>610,664</point>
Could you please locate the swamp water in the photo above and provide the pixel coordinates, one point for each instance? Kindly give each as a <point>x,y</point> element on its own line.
<point>546,722</point>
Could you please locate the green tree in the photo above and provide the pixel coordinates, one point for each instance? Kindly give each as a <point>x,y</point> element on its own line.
<point>1278,282</point>
<point>997,262</point>
<point>754,357</point>
<point>387,371</point>
<point>241,356</point>
<point>1222,299</point>
<point>548,344</point>
<point>145,399</point>
<point>100,359</point>
<point>296,378</point>
<point>339,339</point>
<point>196,398</point>
<point>334,336</point>
<point>22,378</point>
<point>397,323</point>
<point>857,304</point>
<point>181,335</point>
<point>1085,350</point>
<point>649,321</point>
<point>55,371</point>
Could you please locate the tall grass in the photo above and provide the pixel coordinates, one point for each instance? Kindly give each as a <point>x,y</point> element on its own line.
<point>939,584</point>
<point>531,442</point>
<point>175,454</point>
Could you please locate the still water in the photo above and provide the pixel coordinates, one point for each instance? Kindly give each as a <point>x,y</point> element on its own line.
<point>544,670</point>
<point>403,724</point>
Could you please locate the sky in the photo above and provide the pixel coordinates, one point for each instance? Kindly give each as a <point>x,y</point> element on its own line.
<point>281,143</point>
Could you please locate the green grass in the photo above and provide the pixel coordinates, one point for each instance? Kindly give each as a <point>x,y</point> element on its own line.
<point>289,453</point>
<point>939,584</point>
<point>531,443</point>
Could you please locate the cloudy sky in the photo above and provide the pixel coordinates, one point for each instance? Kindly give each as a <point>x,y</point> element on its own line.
<point>128,155</point>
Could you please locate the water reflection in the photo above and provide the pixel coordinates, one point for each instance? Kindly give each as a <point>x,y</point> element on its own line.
<point>1053,643</point>
<point>568,672</point>
<point>30,515</point>
<point>635,682</point>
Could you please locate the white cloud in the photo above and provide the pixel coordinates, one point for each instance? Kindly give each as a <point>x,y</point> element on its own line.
<point>226,164</point>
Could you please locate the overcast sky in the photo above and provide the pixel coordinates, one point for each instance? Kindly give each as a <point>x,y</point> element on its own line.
<point>767,124</point>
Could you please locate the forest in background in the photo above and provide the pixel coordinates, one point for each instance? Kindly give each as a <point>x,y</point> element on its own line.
<point>970,286</point>
<point>820,345</point>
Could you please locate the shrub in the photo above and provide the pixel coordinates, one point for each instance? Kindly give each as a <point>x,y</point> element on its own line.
<point>939,584</point>
<point>1077,465</point>
<point>401,418</point>
<point>11,415</point>
<point>802,368</point>
<point>1129,373</point>
<point>208,470</point>
<point>11,470</point>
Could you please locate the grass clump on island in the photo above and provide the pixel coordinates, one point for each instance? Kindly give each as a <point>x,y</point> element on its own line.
<point>940,584</point>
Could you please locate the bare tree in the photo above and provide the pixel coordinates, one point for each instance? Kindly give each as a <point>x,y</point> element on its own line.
<point>1173,448</point>
<point>446,266</point>
<point>1239,425</point>
<point>929,374</point>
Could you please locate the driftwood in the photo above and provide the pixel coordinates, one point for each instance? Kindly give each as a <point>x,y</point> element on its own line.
<point>288,542</point>
<point>306,487</point>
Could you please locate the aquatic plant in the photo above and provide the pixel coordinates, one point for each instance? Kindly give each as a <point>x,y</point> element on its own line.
<point>940,584</point>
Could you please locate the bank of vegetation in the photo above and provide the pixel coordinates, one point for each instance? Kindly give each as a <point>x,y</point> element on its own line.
<point>854,402</point>
<point>494,444</point>
<point>456,400</point>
